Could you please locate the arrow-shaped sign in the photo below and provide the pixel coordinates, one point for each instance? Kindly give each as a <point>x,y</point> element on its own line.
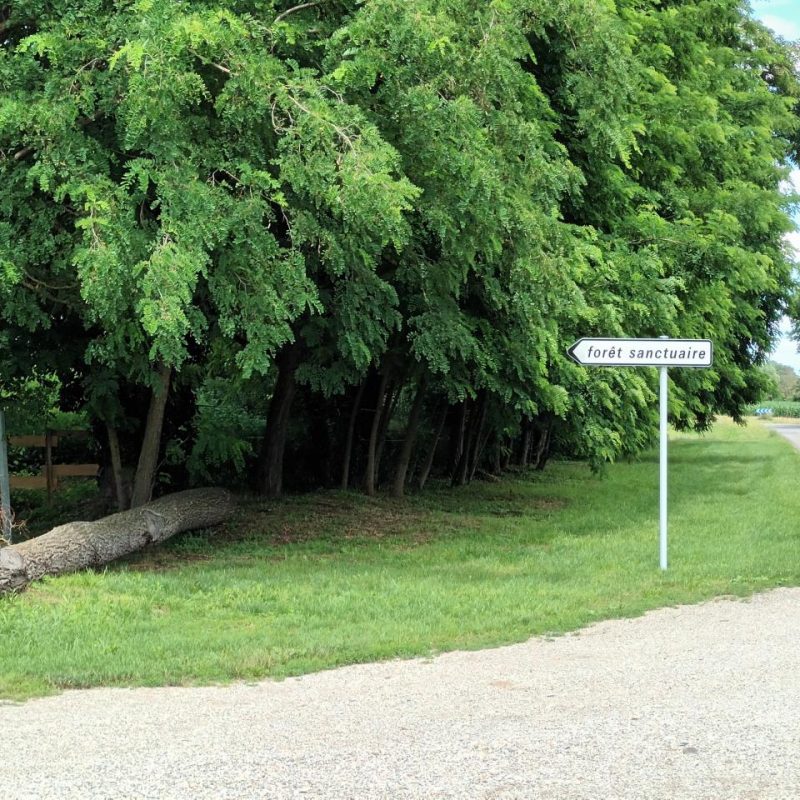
<point>649,353</point>
<point>643,352</point>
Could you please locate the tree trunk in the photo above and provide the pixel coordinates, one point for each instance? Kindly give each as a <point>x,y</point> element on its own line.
<point>412,429</point>
<point>428,465</point>
<point>79,545</point>
<point>351,430</point>
<point>457,438</point>
<point>481,438</point>
<point>123,500</point>
<point>390,406</point>
<point>460,472</point>
<point>509,454</point>
<point>527,439</point>
<point>373,436</point>
<point>463,470</point>
<point>151,443</point>
<point>497,456</point>
<point>542,448</point>
<point>270,460</point>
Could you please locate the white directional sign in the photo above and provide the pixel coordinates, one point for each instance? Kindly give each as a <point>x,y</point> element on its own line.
<point>663,353</point>
<point>643,352</point>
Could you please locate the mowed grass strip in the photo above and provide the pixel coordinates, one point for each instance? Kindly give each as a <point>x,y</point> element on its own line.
<point>329,579</point>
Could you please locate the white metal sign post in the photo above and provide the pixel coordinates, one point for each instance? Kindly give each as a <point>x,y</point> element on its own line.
<point>662,353</point>
<point>663,396</point>
<point>5,492</point>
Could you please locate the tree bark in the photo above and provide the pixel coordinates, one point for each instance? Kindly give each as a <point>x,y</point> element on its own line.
<point>428,465</point>
<point>270,460</point>
<point>390,406</point>
<point>412,429</point>
<point>116,468</point>
<point>509,454</point>
<point>497,456</point>
<point>481,438</point>
<point>373,436</point>
<point>457,438</point>
<point>151,443</point>
<point>527,438</point>
<point>460,472</point>
<point>463,471</point>
<point>542,447</point>
<point>79,545</point>
<point>351,430</point>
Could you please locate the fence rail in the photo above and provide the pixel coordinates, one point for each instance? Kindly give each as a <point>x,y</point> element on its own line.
<point>49,476</point>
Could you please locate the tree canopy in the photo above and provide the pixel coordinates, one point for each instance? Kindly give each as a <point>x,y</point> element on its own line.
<point>317,235</point>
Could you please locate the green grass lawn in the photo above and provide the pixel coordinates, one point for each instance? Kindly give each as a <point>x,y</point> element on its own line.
<point>328,579</point>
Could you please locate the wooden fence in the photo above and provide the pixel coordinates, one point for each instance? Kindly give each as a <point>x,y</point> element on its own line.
<point>49,476</point>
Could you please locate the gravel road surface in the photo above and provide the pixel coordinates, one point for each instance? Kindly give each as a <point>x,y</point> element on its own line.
<point>692,702</point>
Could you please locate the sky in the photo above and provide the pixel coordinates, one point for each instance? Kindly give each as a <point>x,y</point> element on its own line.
<point>783,16</point>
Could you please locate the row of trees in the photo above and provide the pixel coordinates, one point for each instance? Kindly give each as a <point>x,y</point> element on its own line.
<point>347,243</point>
<point>783,382</point>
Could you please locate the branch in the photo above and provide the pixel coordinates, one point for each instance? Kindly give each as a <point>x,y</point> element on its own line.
<point>50,286</point>
<point>288,11</point>
<point>210,63</point>
<point>20,154</point>
<point>340,131</point>
<point>26,151</point>
<point>44,293</point>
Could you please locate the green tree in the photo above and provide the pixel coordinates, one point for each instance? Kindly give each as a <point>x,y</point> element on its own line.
<point>390,219</point>
<point>173,176</point>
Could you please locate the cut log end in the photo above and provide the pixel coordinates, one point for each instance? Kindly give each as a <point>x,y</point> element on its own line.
<point>12,570</point>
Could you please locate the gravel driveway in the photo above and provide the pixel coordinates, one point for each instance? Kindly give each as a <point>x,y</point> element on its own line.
<point>691,702</point>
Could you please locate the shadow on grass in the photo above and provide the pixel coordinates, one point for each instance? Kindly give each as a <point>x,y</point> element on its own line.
<point>537,506</point>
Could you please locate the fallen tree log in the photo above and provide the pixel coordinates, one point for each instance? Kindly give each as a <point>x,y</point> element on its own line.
<point>78,545</point>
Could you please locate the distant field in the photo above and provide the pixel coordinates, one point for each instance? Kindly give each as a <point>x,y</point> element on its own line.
<point>331,578</point>
<point>779,408</point>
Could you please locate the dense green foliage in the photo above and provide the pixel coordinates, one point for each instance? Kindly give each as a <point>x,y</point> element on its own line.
<point>332,578</point>
<point>391,217</point>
